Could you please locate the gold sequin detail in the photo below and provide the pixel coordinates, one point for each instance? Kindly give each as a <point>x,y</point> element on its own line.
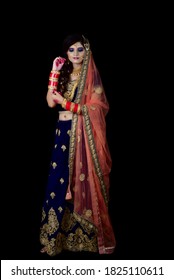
<point>60,209</point>
<point>98,89</point>
<point>58,132</point>
<point>43,214</point>
<point>61,180</point>
<point>92,107</point>
<point>63,147</point>
<point>54,165</point>
<point>69,132</point>
<point>88,213</point>
<point>82,177</point>
<point>52,195</point>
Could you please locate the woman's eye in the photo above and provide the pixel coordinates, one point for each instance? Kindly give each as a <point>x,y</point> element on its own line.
<point>80,49</point>
<point>71,49</point>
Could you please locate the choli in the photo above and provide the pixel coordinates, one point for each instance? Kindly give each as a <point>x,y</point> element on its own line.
<point>71,90</point>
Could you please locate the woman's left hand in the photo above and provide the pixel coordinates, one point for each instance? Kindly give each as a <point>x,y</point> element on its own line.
<point>57,97</point>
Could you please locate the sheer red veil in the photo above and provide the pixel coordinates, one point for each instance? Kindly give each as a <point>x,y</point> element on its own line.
<point>89,158</point>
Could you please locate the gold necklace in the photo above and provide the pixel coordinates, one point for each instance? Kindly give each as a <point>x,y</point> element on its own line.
<point>76,72</point>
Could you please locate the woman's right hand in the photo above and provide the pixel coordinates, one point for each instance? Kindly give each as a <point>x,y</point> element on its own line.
<point>58,63</point>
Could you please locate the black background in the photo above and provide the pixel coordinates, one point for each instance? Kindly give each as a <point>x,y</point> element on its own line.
<point>123,46</point>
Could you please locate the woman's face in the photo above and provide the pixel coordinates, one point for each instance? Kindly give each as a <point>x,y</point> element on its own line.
<point>76,53</point>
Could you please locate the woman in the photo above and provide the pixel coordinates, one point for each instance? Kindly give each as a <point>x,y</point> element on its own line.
<point>75,211</point>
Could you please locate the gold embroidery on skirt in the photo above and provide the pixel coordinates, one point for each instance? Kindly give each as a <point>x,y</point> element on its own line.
<point>68,221</point>
<point>77,241</point>
<point>86,225</point>
<point>52,225</point>
<point>43,214</point>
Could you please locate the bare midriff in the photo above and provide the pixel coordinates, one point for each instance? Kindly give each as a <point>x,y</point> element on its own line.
<point>65,115</point>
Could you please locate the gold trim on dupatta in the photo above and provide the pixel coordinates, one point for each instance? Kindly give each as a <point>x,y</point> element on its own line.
<point>94,152</point>
<point>75,116</point>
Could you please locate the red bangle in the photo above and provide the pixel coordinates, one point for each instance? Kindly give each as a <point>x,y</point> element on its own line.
<point>52,83</point>
<point>75,108</point>
<point>53,79</point>
<point>54,74</point>
<point>68,104</point>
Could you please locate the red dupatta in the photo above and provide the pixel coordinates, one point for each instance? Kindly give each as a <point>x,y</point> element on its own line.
<point>89,157</point>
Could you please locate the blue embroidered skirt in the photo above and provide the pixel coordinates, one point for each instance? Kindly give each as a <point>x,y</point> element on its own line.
<point>61,228</point>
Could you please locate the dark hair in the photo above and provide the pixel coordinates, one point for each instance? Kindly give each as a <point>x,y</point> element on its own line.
<point>72,39</point>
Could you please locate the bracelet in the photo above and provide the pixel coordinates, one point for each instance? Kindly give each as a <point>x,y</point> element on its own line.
<point>78,109</point>
<point>53,79</point>
<point>53,83</point>
<point>72,107</point>
<point>54,73</point>
<point>64,103</point>
<point>68,105</point>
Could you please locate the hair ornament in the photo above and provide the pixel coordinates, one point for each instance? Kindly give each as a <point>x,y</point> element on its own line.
<point>86,43</point>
